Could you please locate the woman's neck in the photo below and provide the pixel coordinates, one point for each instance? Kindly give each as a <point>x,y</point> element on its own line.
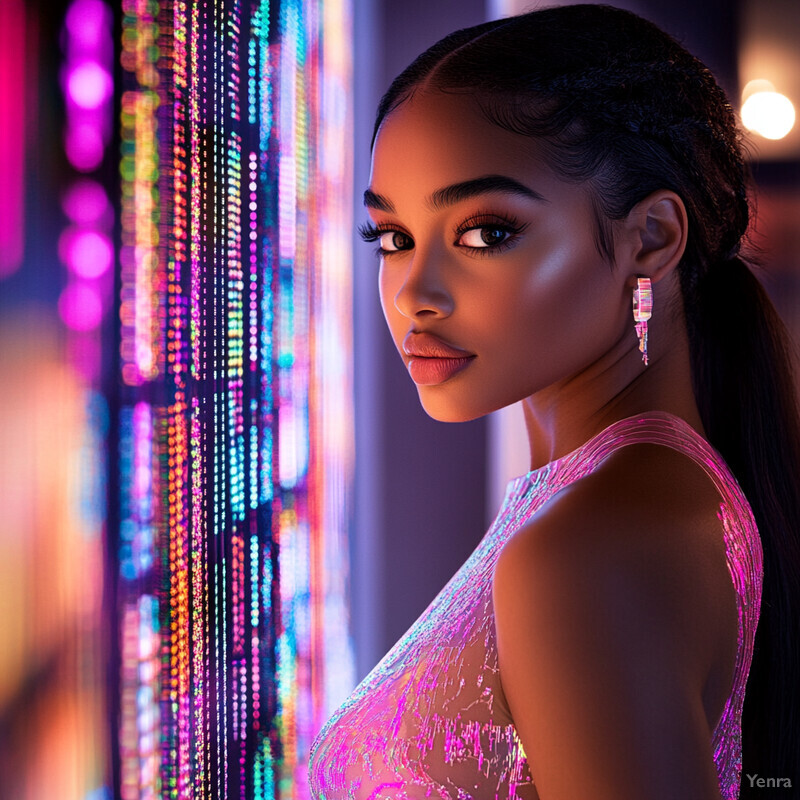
<point>562,417</point>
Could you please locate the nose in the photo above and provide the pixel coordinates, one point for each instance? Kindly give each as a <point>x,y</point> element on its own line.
<point>422,289</point>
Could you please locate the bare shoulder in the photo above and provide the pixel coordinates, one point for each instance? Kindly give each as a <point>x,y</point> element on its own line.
<point>648,514</point>
<point>613,610</point>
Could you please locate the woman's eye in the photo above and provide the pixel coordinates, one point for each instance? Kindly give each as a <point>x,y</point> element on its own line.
<point>487,236</point>
<point>392,241</point>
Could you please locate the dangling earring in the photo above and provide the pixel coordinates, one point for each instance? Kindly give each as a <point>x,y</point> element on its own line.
<point>642,311</point>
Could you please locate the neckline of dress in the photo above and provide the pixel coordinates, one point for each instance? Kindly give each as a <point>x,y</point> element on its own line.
<point>550,467</point>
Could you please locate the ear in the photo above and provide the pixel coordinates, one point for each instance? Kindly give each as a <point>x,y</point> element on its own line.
<point>653,236</point>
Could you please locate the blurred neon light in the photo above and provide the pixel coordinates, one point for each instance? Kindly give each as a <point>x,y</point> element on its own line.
<point>767,112</point>
<point>89,85</point>
<point>84,146</point>
<point>88,253</point>
<point>12,135</point>
<point>85,245</point>
<point>86,202</point>
<point>80,307</point>
<point>87,23</point>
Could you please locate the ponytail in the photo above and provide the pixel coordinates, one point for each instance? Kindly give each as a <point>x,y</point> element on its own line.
<point>743,384</point>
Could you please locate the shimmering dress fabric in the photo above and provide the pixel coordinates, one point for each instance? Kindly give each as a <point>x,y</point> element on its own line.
<point>431,720</point>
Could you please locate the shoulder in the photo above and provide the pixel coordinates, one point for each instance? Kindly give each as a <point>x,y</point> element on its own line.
<point>643,496</point>
<point>642,528</point>
<point>635,529</point>
<point>598,629</point>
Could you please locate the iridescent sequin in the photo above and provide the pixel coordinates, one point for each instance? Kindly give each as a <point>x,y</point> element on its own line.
<point>431,721</point>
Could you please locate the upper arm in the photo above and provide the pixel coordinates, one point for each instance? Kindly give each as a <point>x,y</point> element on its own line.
<point>596,658</point>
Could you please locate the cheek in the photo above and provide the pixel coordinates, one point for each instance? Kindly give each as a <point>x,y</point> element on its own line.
<point>387,291</point>
<point>564,303</point>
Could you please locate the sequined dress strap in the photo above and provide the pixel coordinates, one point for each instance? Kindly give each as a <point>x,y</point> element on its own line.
<point>656,427</point>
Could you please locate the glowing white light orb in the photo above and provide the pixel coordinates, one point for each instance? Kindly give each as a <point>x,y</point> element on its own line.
<point>769,114</point>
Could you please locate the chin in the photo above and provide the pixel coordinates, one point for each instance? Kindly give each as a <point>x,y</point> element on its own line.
<point>446,410</point>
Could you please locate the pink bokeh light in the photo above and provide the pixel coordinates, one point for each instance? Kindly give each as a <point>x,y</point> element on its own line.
<point>12,135</point>
<point>89,85</point>
<point>88,253</point>
<point>84,146</point>
<point>84,353</point>
<point>80,306</point>
<point>87,23</point>
<point>86,202</point>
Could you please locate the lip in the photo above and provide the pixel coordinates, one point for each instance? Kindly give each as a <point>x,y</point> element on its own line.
<point>433,361</point>
<point>430,371</point>
<point>426,345</point>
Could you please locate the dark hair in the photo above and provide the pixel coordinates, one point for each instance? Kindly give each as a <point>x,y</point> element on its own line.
<point>614,101</point>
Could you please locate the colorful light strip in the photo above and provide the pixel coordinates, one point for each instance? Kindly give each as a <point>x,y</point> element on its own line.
<point>236,431</point>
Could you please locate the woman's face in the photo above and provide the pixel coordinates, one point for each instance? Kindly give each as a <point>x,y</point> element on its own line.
<point>484,248</point>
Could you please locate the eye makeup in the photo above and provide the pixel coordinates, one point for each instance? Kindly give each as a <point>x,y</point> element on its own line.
<point>508,226</point>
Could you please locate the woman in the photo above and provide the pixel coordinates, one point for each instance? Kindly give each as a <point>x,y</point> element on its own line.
<point>534,178</point>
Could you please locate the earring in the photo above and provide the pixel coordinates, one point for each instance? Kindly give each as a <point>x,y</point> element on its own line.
<point>642,311</point>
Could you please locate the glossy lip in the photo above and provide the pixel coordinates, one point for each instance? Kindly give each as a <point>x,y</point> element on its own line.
<point>426,345</point>
<point>431,371</point>
<point>433,361</point>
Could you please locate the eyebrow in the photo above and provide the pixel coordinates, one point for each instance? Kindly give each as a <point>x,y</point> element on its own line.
<point>377,201</point>
<point>456,192</point>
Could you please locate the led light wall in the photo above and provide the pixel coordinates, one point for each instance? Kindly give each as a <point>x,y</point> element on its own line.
<point>235,424</point>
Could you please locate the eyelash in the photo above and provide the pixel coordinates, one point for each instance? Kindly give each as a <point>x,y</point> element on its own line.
<point>510,225</point>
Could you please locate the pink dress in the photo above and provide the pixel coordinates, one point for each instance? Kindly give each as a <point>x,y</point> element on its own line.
<point>429,721</point>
